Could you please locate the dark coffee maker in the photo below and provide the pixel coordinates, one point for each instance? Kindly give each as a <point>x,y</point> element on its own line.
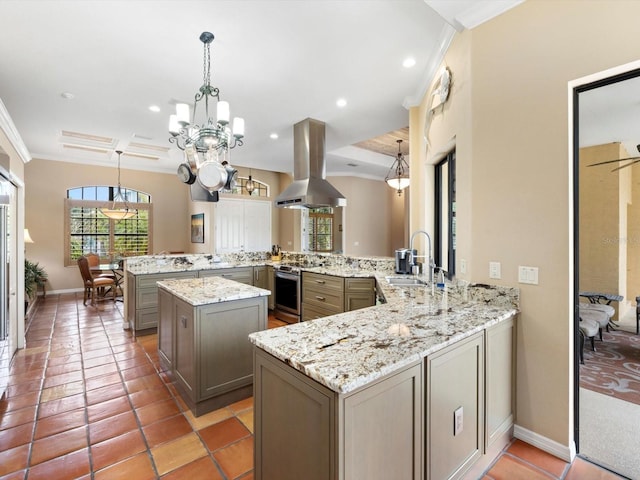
<point>404,260</point>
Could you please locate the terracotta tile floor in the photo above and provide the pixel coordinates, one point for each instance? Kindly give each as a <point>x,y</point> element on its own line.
<point>87,400</point>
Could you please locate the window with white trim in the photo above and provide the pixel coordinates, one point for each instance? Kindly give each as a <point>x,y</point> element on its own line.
<point>87,230</point>
<point>318,229</point>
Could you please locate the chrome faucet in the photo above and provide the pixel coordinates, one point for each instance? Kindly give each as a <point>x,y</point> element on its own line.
<point>432,265</point>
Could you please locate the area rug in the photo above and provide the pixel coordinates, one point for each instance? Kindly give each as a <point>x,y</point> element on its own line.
<point>614,368</point>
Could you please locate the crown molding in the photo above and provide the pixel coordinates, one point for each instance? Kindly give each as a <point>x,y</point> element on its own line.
<point>465,15</point>
<point>437,57</point>
<point>11,133</point>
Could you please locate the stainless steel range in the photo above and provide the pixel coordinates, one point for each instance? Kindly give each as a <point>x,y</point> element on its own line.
<point>288,294</point>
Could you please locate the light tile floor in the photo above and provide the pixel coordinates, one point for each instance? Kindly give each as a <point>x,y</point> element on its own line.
<point>88,400</point>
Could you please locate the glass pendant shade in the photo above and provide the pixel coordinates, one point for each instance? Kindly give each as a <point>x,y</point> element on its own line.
<point>398,175</point>
<point>119,208</point>
<point>250,186</point>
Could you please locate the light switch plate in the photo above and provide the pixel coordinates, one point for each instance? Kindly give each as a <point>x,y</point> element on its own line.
<point>463,265</point>
<point>457,421</point>
<point>494,270</point>
<point>528,275</point>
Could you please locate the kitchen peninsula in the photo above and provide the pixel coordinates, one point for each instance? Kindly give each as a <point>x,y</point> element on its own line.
<point>420,387</point>
<point>202,338</point>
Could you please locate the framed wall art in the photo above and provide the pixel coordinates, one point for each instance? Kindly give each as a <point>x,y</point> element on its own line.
<point>197,228</point>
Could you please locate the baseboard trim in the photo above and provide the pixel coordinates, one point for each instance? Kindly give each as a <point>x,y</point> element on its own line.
<point>564,452</point>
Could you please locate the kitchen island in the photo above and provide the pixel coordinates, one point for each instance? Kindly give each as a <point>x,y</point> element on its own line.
<point>202,338</point>
<point>420,387</point>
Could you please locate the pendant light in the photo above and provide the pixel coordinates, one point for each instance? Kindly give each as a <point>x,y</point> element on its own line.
<point>398,176</point>
<point>119,209</point>
<point>250,185</point>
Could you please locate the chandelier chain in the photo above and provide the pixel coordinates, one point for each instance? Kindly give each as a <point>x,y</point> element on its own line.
<point>206,73</point>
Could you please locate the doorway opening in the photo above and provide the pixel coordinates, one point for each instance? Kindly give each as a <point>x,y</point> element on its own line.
<point>606,266</point>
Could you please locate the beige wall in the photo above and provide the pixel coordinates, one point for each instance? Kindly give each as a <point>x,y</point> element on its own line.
<point>374,218</point>
<point>633,240</point>
<point>434,133</point>
<point>604,197</point>
<point>369,217</point>
<point>46,188</point>
<point>513,159</point>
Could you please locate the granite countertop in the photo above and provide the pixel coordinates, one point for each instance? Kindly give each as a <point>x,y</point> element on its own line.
<point>208,290</point>
<point>350,350</point>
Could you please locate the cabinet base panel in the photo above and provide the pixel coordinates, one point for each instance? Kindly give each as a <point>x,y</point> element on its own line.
<point>214,403</point>
<point>145,331</point>
<point>490,455</point>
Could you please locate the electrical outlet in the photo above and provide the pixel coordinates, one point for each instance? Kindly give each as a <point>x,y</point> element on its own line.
<point>494,270</point>
<point>528,275</point>
<point>463,266</point>
<point>457,421</point>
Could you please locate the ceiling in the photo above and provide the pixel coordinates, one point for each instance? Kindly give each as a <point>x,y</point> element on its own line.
<point>610,114</point>
<point>275,61</point>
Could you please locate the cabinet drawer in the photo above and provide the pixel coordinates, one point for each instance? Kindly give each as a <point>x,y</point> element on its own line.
<point>149,281</point>
<point>325,298</point>
<point>242,274</point>
<point>359,285</point>
<point>311,312</point>
<point>146,297</point>
<point>324,282</point>
<point>147,318</point>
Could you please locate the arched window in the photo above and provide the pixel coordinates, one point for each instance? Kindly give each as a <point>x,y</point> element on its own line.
<point>88,230</point>
<point>261,188</point>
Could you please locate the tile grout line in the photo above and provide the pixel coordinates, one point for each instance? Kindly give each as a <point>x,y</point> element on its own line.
<point>133,408</point>
<point>41,392</point>
<point>84,389</point>
<point>197,432</point>
<point>532,465</point>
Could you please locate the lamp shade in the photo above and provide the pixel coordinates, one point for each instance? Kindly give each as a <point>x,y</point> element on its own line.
<point>27,236</point>
<point>398,176</point>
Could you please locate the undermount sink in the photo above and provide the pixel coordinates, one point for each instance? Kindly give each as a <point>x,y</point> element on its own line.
<point>405,281</point>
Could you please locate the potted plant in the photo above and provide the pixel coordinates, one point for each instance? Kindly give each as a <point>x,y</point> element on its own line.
<point>34,275</point>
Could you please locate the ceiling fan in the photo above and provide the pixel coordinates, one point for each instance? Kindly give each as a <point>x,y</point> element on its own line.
<point>632,161</point>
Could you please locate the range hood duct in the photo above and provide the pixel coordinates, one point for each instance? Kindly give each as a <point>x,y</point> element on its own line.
<point>309,188</point>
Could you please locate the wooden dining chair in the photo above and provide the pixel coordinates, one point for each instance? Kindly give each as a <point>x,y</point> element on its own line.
<point>94,284</point>
<point>94,261</point>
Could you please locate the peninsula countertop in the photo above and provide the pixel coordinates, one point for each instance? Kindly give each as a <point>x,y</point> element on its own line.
<point>350,350</point>
<point>208,290</point>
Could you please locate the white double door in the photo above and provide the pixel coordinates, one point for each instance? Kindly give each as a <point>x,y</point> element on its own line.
<point>242,225</point>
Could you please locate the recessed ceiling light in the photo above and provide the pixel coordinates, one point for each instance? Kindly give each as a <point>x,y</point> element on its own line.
<point>67,95</point>
<point>341,102</point>
<point>154,108</point>
<point>274,136</point>
<point>409,62</point>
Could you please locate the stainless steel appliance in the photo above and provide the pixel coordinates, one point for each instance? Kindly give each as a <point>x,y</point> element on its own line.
<point>288,295</point>
<point>404,260</point>
<point>310,188</point>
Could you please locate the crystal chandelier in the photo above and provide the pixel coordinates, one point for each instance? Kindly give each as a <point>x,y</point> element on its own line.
<point>119,209</point>
<point>210,133</point>
<point>398,175</point>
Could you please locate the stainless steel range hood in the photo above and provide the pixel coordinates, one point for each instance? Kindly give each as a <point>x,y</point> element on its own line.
<point>309,188</point>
